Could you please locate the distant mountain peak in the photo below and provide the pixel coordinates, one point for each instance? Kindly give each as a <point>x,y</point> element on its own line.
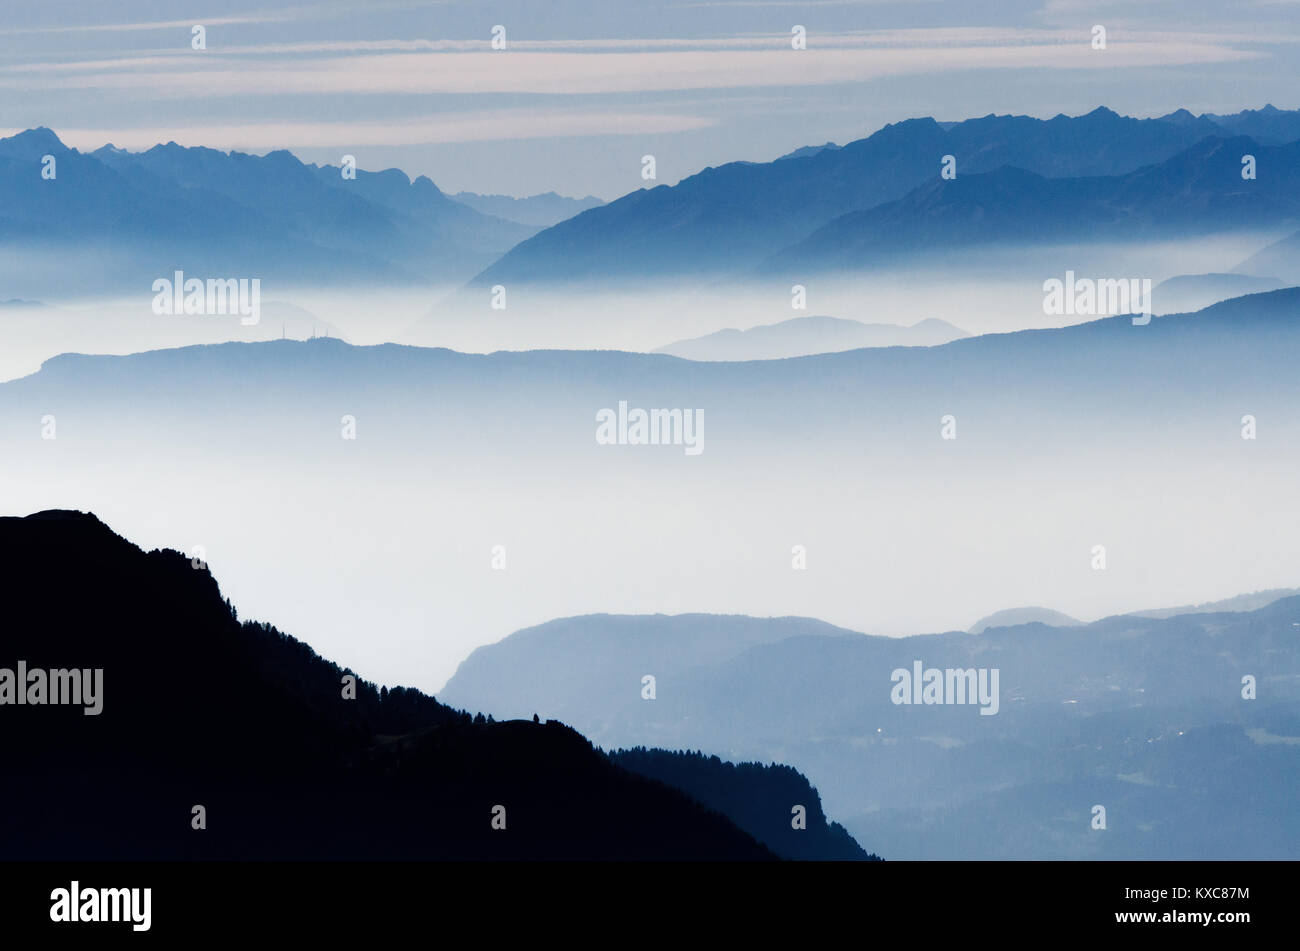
<point>284,156</point>
<point>1014,617</point>
<point>164,148</point>
<point>33,143</point>
<point>1180,116</point>
<point>46,134</point>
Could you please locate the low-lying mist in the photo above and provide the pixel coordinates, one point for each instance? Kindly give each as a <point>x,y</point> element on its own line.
<point>992,291</point>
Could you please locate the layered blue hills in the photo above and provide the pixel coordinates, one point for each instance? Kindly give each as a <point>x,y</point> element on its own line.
<point>1146,717</point>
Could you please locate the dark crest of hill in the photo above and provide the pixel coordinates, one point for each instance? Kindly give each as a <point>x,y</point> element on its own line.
<point>760,799</point>
<point>251,723</point>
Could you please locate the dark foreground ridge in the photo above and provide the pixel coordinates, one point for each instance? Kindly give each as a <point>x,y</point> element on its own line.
<point>199,709</point>
<point>756,797</point>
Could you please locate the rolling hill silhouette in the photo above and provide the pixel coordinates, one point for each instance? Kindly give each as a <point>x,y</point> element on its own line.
<point>1243,348</point>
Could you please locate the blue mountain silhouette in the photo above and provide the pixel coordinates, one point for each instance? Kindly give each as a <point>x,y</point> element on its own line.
<point>1198,191</point>
<point>732,217</point>
<point>230,213</point>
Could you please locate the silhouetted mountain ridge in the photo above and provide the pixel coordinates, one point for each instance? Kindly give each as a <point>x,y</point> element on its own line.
<point>198,708</point>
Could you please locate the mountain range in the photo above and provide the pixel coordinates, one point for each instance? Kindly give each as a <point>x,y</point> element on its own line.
<point>1198,191</point>
<point>733,218</point>
<point>128,217</point>
<point>229,213</point>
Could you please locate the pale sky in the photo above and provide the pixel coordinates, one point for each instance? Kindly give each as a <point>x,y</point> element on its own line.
<point>584,88</point>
